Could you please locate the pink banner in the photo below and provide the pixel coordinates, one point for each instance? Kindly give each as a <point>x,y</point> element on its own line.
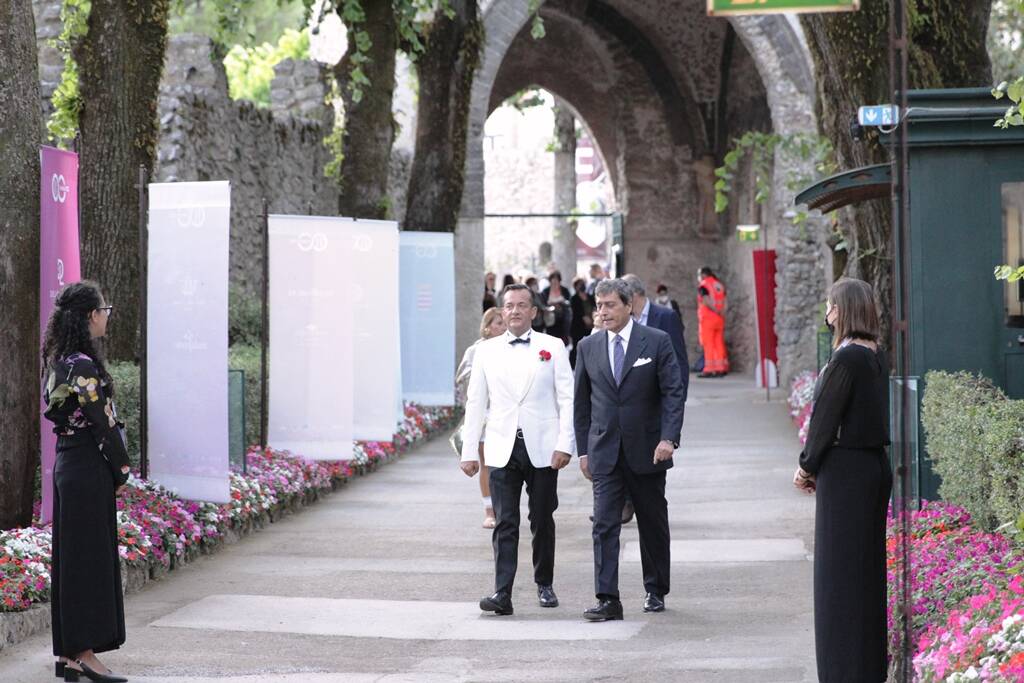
<point>58,265</point>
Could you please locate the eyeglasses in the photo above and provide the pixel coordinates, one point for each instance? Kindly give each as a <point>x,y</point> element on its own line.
<point>108,309</point>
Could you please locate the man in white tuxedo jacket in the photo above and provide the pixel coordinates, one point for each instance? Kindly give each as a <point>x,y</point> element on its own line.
<point>522,386</point>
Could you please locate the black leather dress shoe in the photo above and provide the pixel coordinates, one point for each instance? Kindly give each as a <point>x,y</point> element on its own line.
<point>606,610</point>
<point>546,596</point>
<point>499,603</point>
<point>654,603</point>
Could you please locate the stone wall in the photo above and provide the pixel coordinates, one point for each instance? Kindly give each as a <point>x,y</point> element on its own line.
<point>51,62</point>
<point>266,154</point>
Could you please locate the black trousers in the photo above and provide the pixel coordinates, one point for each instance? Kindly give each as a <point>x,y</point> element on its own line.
<point>86,603</point>
<point>648,494</point>
<point>850,628</point>
<point>506,490</point>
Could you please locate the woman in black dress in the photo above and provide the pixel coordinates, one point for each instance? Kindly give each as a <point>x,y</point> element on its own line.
<point>92,464</point>
<point>845,462</point>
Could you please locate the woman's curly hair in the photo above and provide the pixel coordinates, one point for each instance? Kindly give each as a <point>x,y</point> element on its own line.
<point>67,331</point>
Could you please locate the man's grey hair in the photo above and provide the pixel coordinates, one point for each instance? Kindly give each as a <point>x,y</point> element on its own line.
<point>617,286</point>
<point>635,283</point>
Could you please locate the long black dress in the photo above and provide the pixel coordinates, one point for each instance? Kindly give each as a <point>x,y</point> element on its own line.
<point>845,448</point>
<point>86,602</point>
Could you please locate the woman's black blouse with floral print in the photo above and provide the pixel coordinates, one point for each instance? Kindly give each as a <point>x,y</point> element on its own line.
<point>79,405</point>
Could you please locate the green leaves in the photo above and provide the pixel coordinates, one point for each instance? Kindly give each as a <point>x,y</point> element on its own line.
<point>1014,91</point>
<point>761,149</point>
<point>1009,273</point>
<point>250,70</point>
<point>537,25</point>
<point>63,124</point>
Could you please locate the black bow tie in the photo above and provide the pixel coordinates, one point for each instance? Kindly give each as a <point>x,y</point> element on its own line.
<point>517,340</point>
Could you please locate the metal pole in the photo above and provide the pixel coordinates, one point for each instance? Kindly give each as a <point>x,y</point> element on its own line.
<point>898,46</point>
<point>265,333</point>
<point>143,324</point>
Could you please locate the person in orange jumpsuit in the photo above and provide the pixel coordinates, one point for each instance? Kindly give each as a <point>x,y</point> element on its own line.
<point>711,306</point>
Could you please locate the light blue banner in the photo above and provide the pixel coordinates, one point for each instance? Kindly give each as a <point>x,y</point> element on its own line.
<point>427,305</point>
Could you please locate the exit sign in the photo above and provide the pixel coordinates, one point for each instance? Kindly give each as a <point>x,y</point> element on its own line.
<point>728,7</point>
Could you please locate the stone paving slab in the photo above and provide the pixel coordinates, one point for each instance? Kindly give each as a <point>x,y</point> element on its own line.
<point>730,550</point>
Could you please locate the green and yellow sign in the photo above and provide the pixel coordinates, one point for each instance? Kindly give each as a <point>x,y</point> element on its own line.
<point>721,8</point>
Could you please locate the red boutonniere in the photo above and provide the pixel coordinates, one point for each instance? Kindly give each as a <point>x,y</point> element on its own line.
<point>545,355</point>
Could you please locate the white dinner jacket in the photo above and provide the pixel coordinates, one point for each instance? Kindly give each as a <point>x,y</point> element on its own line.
<point>524,392</point>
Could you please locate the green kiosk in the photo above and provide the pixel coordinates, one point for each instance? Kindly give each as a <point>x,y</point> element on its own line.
<point>966,218</point>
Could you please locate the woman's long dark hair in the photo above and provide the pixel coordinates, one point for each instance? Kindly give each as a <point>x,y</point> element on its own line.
<point>67,331</point>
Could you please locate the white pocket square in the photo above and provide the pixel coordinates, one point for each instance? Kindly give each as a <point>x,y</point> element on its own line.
<point>641,361</point>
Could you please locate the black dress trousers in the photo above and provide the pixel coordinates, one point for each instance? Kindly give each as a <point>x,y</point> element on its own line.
<point>506,490</point>
<point>86,602</point>
<point>850,631</point>
<point>648,494</point>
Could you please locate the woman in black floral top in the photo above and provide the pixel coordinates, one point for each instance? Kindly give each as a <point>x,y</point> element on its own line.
<point>92,464</point>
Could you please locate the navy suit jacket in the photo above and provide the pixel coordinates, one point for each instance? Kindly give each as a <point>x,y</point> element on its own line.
<point>665,319</point>
<point>644,408</point>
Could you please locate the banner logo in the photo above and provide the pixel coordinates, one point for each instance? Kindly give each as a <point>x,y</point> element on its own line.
<point>59,188</point>
<point>60,272</point>
<point>426,251</point>
<point>363,243</point>
<point>311,241</point>
<point>191,218</point>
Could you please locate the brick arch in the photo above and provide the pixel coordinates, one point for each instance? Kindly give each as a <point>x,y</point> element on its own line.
<point>782,61</point>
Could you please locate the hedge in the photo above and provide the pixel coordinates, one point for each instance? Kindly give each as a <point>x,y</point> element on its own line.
<point>975,440</point>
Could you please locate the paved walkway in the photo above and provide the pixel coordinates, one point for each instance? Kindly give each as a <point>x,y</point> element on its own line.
<point>380,581</point>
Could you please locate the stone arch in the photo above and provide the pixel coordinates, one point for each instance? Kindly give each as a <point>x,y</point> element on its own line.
<point>783,63</point>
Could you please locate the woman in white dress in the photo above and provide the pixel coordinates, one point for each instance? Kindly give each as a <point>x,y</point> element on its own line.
<point>491,325</point>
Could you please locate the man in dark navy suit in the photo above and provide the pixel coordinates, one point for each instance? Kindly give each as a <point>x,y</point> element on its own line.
<point>628,414</point>
<point>663,318</point>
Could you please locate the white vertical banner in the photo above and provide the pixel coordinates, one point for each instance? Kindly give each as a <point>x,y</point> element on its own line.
<point>427,279</point>
<point>377,344</point>
<point>187,333</point>
<point>311,362</point>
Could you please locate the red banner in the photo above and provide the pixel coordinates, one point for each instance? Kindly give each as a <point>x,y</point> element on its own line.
<point>764,286</point>
<point>58,265</point>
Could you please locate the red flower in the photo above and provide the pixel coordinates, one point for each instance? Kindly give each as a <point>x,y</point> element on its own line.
<point>544,355</point>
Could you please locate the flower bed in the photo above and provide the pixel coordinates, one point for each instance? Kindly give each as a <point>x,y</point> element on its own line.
<point>967,598</point>
<point>801,397</point>
<point>157,530</point>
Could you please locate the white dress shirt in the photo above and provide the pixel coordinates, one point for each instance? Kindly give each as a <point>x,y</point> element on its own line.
<point>642,319</point>
<point>624,333</point>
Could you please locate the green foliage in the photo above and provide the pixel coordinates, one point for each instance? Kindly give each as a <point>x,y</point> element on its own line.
<point>251,69</point>
<point>1011,273</point>
<point>975,439</point>
<point>246,357</point>
<point>762,150</point>
<point>128,399</point>
<point>1014,91</point>
<point>237,22</point>
<point>1006,39</point>
<point>63,124</point>
<point>537,25</point>
<point>245,317</point>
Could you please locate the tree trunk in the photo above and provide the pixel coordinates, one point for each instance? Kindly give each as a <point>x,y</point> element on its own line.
<point>446,70</point>
<point>20,132</point>
<point>564,237</point>
<point>851,66</point>
<point>120,62</point>
<point>369,125</point>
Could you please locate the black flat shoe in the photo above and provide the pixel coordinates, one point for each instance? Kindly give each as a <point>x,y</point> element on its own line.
<point>499,603</point>
<point>654,603</point>
<point>606,610</point>
<point>58,669</point>
<point>546,596</point>
<point>73,675</point>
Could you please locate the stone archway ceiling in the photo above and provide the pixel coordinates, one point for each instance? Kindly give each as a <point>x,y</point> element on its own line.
<point>640,48</point>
